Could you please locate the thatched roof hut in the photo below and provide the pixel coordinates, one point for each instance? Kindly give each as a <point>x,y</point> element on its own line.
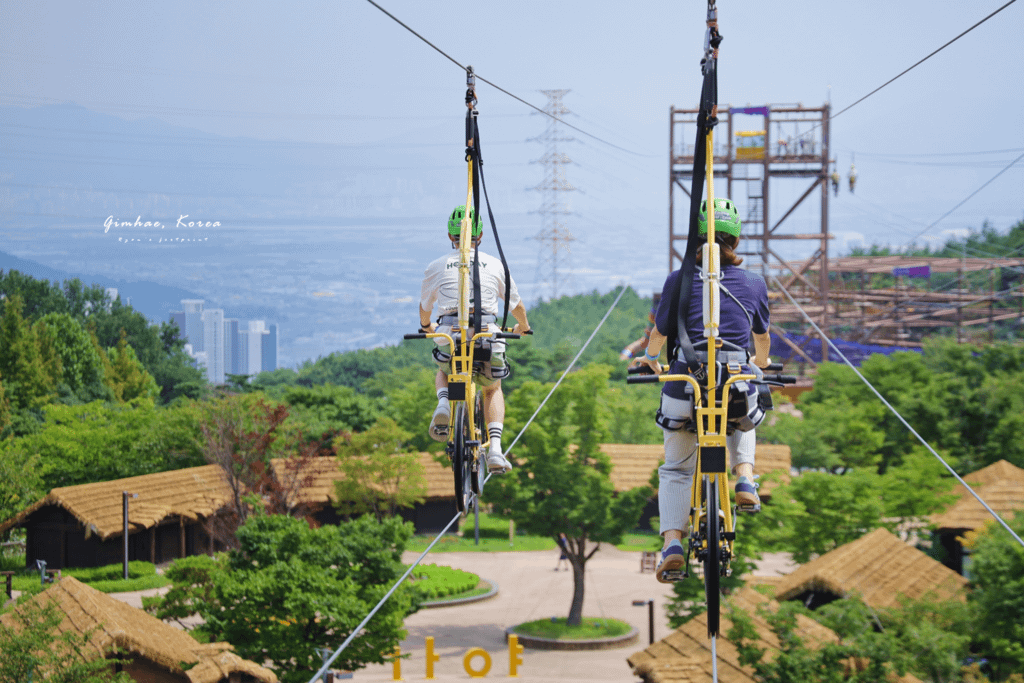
<point>160,653</point>
<point>685,655</point>
<point>879,567</point>
<point>967,514</point>
<point>188,494</point>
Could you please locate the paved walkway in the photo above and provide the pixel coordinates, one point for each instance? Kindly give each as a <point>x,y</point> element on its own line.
<point>529,590</point>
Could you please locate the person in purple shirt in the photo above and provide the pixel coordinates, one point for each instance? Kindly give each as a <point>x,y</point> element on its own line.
<point>744,311</point>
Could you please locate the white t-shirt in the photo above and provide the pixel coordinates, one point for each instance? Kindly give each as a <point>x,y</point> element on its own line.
<point>441,285</point>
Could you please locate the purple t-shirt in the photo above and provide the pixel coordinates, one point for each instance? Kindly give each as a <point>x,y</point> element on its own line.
<point>734,326</point>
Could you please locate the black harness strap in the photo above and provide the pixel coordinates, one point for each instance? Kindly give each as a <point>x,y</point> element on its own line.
<point>475,154</point>
<point>679,339</point>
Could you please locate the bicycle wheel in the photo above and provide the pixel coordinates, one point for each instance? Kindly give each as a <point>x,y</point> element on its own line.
<point>479,466</point>
<point>712,569</point>
<point>461,460</point>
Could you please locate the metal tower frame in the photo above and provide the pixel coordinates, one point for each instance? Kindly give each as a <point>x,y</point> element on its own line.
<point>554,234</point>
<point>804,154</point>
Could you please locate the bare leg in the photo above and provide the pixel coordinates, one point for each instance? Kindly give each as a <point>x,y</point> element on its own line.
<point>494,403</point>
<point>441,380</point>
<point>744,469</point>
<point>672,535</point>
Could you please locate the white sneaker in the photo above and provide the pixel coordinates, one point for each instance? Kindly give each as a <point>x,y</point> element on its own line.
<point>439,422</point>
<point>497,463</point>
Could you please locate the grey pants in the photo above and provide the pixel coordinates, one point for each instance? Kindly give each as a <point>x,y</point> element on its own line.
<point>675,477</point>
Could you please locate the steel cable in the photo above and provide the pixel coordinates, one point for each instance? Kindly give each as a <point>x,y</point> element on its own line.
<point>895,412</point>
<point>355,632</point>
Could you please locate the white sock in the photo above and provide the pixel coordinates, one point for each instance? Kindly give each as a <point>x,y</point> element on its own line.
<point>494,431</point>
<point>442,397</point>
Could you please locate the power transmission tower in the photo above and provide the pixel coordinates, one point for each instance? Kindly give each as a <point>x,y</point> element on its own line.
<point>554,235</point>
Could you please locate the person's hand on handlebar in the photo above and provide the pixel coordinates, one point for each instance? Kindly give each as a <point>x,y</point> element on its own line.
<point>429,327</point>
<point>651,363</point>
<point>518,329</point>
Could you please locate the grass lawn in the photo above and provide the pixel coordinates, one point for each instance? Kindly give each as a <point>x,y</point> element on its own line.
<point>592,627</point>
<point>493,538</point>
<point>142,576</point>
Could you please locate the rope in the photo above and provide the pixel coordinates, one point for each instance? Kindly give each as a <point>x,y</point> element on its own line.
<point>584,348</point>
<point>499,88</point>
<point>357,629</point>
<point>896,413</point>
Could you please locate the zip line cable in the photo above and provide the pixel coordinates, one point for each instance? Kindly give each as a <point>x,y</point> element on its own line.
<point>895,412</point>
<point>984,185</point>
<point>580,353</point>
<point>362,624</point>
<point>922,60</point>
<point>498,87</point>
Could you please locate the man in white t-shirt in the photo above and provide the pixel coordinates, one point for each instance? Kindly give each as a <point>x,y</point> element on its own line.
<point>441,286</point>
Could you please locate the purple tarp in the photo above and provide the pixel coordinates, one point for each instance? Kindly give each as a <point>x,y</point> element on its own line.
<point>915,271</point>
<point>857,353</point>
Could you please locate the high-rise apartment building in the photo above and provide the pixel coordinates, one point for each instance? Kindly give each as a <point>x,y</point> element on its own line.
<point>231,350</point>
<point>224,345</point>
<point>213,343</point>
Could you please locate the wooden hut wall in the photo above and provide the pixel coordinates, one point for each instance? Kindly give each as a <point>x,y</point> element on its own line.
<point>54,535</point>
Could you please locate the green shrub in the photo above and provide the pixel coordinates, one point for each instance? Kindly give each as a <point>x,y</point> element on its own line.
<point>433,582</point>
<point>112,572</point>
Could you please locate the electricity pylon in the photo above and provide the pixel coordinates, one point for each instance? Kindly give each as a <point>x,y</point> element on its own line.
<point>554,235</point>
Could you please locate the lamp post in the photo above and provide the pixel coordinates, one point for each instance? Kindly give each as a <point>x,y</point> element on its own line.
<point>124,516</point>
<point>650,616</point>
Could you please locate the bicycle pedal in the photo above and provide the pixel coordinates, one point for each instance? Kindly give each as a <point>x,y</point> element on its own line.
<point>751,509</point>
<point>674,575</point>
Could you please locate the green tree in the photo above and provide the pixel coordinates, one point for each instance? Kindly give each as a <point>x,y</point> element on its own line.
<point>79,444</point>
<point>380,475</point>
<point>289,590</point>
<point>20,482</point>
<point>5,407</point>
<point>408,396</point>
<point>128,379</point>
<point>82,367</point>
<point>563,486</point>
<point>997,568</point>
<point>33,647</point>
<point>859,656</point>
<point>30,375</point>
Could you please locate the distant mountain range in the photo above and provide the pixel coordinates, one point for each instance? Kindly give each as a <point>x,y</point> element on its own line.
<point>153,300</point>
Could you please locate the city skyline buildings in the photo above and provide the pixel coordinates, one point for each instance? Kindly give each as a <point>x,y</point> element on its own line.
<point>223,346</point>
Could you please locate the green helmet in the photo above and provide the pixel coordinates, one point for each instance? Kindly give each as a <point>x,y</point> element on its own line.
<point>455,222</point>
<point>727,219</point>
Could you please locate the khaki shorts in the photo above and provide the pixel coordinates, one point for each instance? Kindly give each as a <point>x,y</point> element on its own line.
<point>493,370</point>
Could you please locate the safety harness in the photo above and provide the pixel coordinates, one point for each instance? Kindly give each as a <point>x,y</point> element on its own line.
<point>475,157</point>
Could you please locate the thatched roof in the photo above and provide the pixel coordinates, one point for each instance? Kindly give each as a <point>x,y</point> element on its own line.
<point>632,464</point>
<point>1000,472</point>
<point>317,477</point>
<point>120,625</point>
<point>188,493</point>
<point>1004,497</point>
<point>685,655</point>
<point>879,567</point>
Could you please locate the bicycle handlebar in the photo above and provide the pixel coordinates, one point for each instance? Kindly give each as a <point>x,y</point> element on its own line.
<point>417,335</point>
<point>774,367</point>
<point>649,378</point>
<point>505,335</point>
<point>781,379</point>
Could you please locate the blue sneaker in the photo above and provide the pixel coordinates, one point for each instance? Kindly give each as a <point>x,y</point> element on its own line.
<point>747,499</point>
<point>673,560</point>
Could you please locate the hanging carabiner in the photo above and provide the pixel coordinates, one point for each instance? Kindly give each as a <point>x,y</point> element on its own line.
<point>471,112</point>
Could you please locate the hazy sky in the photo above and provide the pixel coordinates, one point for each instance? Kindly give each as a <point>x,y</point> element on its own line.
<point>343,72</point>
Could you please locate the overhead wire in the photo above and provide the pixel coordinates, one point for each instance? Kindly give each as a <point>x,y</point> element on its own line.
<point>356,631</point>
<point>964,200</point>
<point>922,60</point>
<point>895,412</point>
<point>499,88</point>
